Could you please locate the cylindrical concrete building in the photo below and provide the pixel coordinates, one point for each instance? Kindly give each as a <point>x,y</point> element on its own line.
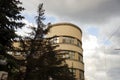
<point>69,38</point>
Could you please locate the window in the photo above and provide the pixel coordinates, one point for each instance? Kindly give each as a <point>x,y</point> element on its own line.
<point>73,71</point>
<point>68,40</point>
<point>72,55</point>
<point>68,54</point>
<point>78,43</point>
<point>81,75</point>
<point>55,40</point>
<point>65,54</point>
<point>17,54</point>
<point>80,58</point>
<point>10,52</point>
<point>72,41</point>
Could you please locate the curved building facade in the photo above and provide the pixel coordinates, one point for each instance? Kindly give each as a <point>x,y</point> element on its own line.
<point>69,38</point>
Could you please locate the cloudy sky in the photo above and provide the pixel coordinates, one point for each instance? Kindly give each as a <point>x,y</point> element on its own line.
<point>100,23</point>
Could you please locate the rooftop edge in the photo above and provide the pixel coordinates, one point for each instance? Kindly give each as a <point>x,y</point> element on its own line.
<point>65,23</point>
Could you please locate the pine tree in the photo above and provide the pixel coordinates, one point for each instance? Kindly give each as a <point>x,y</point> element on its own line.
<point>10,20</point>
<point>42,62</point>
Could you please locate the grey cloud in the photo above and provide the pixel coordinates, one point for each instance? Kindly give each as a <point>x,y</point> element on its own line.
<point>112,51</point>
<point>113,66</point>
<point>114,73</point>
<point>102,63</point>
<point>92,11</point>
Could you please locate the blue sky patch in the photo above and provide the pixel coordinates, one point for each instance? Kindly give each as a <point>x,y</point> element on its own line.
<point>50,19</point>
<point>93,31</point>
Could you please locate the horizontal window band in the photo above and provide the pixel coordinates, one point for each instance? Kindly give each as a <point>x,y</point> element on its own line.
<point>71,51</point>
<point>68,37</point>
<point>70,44</point>
<point>76,60</point>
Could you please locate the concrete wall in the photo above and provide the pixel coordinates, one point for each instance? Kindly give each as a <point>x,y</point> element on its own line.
<point>62,30</point>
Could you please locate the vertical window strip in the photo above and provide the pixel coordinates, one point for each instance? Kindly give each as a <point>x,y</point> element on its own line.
<point>80,58</point>
<point>81,75</point>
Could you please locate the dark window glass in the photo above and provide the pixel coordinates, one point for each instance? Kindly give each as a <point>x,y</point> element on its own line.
<point>80,58</point>
<point>73,71</point>
<point>81,75</point>
<point>78,43</point>
<point>68,40</point>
